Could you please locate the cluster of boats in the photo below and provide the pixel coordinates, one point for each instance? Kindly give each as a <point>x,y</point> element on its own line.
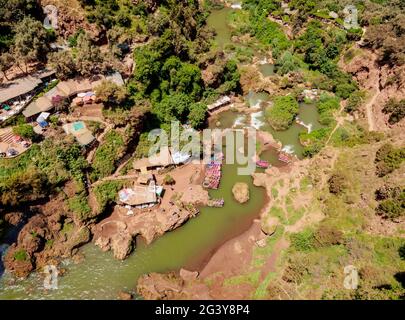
<point>213,172</point>
<point>282,156</point>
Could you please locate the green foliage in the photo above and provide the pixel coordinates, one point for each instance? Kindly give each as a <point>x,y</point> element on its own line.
<point>30,41</point>
<point>107,155</point>
<point>355,100</point>
<point>106,193</point>
<point>168,180</point>
<point>72,40</point>
<point>392,202</point>
<point>197,115</point>
<point>388,159</point>
<point>303,241</point>
<point>287,62</point>
<point>21,255</point>
<point>111,94</point>
<point>395,109</point>
<point>172,108</point>
<point>25,131</point>
<point>344,90</point>
<point>79,205</point>
<point>282,113</point>
<point>39,170</point>
<point>269,33</point>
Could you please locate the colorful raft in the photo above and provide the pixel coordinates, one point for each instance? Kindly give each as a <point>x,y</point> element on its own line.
<point>213,174</point>
<point>262,164</point>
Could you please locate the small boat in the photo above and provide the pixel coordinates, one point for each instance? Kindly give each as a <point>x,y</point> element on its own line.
<point>262,164</point>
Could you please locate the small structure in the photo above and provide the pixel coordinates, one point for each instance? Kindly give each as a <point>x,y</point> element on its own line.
<point>223,101</point>
<point>140,196</point>
<point>69,88</point>
<point>12,145</point>
<point>16,94</point>
<point>162,159</point>
<point>179,157</point>
<point>79,130</point>
<point>145,178</point>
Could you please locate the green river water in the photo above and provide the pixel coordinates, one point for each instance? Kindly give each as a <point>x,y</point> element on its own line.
<point>100,276</point>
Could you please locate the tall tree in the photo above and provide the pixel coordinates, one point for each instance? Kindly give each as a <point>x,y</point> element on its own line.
<point>89,57</point>
<point>6,62</point>
<point>30,42</point>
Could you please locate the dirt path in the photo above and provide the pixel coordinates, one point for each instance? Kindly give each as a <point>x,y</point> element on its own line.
<point>339,122</point>
<point>369,105</point>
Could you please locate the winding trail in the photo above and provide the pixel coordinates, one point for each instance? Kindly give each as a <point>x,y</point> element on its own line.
<point>339,122</point>
<point>369,105</point>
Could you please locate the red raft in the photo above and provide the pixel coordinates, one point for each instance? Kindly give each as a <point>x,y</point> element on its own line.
<point>262,164</point>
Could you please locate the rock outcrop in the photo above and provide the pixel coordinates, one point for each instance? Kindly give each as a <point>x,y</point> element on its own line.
<point>240,192</point>
<point>117,232</point>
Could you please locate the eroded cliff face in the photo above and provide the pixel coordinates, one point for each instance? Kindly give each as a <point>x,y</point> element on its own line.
<point>49,235</point>
<point>117,233</point>
<point>72,18</point>
<point>383,82</point>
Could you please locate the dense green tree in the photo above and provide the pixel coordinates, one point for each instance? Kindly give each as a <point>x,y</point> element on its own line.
<point>111,94</point>
<point>89,59</point>
<point>173,107</point>
<point>63,64</point>
<point>30,42</point>
<point>197,115</point>
<point>23,186</point>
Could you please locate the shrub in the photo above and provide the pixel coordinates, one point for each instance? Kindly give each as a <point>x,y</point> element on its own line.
<point>107,155</point>
<point>354,101</point>
<point>388,159</point>
<point>337,183</point>
<point>25,131</point>
<point>303,241</point>
<point>328,236</point>
<point>168,180</point>
<point>106,193</point>
<point>79,205</point>
<point>395,109</point>
<point>21,255</point>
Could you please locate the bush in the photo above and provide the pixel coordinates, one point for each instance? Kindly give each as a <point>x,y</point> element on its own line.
<point>282,113</point>
<point>107,155</point>
<point>168,180</point>
<point>79,205</point>
<point>344,90</point>
<point>303,241</point>
<point>21,255</point>
<point>24,130</point>
<point>106,193</point>
<point>388,159</point>
<point>393,204</point>
<point>354,101</point>
<point>328,236</point>
<point>337,183</point>
<point>395,109</point>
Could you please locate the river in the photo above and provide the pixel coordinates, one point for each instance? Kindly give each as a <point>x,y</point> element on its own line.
<point>100,276</point>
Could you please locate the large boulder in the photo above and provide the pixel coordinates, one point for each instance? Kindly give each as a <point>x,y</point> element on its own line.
<point>240,192</point>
